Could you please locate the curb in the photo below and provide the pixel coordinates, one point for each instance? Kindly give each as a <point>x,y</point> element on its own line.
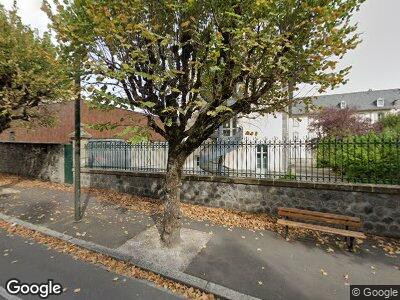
<point>178,276</point>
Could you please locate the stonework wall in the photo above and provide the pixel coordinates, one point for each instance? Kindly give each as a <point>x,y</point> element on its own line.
<point>43,161</point>
<point>378,206</point>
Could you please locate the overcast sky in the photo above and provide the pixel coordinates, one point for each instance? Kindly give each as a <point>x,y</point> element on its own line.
<point>376,62</point>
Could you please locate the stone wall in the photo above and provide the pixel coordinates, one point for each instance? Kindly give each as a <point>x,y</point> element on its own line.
<point>377,205</point>
<point>43,161</point>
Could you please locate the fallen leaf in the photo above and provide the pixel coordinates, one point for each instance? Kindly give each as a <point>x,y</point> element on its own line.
<point>77,290</point>
<point>323,272</point>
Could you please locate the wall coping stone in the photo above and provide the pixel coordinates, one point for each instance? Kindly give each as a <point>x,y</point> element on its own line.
<point>352,187</point>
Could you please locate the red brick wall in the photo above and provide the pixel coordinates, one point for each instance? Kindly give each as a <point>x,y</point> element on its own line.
<point>64,114</point>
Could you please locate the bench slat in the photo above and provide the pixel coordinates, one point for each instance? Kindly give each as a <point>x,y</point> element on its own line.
<point>282,210</point>
<point>343,232</point>
<point>321,219</point>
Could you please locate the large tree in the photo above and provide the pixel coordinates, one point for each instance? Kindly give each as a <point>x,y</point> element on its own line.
<point>195,64</point>
<point>30,72</point>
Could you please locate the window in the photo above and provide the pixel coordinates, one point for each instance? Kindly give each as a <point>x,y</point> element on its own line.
<point>197,158</point>
<point>380,115</point>
<point>230,127</point>
<point>262,157</point>
<point>295,135</point>
<point>380,102</point>
<point>343,104</point>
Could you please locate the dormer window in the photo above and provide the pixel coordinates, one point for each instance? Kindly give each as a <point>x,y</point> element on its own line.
<point>343,104</point>
<point>380,102</point>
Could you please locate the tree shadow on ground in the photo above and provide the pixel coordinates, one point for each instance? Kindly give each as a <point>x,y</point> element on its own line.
<point>84,205</point>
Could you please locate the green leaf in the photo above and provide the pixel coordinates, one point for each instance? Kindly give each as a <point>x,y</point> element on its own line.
<point>147,104</point>
<point>168,122</point>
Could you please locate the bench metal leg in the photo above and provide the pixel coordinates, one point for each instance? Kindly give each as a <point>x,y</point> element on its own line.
<point>346,239</point>
<point>350,243</point>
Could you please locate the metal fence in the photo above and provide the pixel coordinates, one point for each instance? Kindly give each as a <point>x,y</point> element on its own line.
<point>363,159</point>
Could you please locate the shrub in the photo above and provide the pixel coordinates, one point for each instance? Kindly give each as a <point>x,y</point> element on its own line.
<point>371,158</point>
<point>390,123</point>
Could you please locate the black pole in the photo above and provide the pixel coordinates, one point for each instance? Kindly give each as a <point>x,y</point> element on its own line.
<point>77,150</point>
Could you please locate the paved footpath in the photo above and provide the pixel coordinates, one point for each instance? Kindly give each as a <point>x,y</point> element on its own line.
<point>30,262</point>
<point>258,263</point>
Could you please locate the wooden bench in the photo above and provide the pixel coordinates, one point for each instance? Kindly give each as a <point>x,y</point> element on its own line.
<point>347,222</point>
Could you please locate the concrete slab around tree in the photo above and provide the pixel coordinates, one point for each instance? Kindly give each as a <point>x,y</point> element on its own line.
<point>148,246</point>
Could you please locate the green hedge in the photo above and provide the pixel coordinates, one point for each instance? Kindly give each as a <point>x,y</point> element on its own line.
<point>370,158</point>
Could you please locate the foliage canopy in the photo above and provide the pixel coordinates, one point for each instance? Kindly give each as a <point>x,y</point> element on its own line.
<point>30,72</point>
<point>184,61</point>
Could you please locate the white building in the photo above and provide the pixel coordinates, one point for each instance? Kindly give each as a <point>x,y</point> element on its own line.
<point>371,105</point>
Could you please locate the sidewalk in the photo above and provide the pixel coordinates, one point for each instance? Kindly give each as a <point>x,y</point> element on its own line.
<point>259,263</point>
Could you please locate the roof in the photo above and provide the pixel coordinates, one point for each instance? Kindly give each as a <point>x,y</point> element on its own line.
<point>362,101</point>
<point>64,114</point>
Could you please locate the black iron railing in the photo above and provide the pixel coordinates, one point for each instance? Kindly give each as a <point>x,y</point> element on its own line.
<point>357,159</point>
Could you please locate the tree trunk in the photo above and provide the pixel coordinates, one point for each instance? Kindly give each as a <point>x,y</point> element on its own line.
<point>171,222</point>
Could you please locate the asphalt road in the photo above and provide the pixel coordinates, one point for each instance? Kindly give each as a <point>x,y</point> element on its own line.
<point>30,262</point>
